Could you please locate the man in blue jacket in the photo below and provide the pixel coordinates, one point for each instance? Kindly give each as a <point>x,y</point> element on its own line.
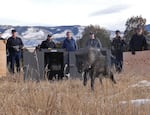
<point>69,45</point>
<point>14,46</point>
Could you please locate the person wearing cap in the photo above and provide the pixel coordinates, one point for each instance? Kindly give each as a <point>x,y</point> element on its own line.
<point>14,46</point>
<point>138,41</point>
<point>48,43</point>
<point>93,42</point>
<point>117,48</point>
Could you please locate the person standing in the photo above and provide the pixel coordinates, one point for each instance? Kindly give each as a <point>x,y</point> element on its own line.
<point>70,45</point>
<point>138,41</point>
<point>93,42</point>
<point>14,46</point>
<point>117,48</point>
<point>48,43</point>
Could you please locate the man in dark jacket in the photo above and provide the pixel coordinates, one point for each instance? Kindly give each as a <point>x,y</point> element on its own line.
<point>138,41</point>
<point>117,47</point>
<point>93,42</point>
<point>14,46</point>
<point>48,43</point>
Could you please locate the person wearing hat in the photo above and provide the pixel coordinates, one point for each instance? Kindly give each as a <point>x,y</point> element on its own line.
<point>93,42</point>
<point>14,45</point>
<point>48,43</point>
<point>117,48</point>
<point>138,41</point>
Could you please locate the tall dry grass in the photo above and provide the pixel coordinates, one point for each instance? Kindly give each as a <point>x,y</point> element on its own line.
<point>70,97</point>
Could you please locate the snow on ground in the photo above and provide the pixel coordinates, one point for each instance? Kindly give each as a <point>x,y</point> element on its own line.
<point>7,33</point>
<point>58,29</point>
<point>79,35</point>
<point>143,83</point>
<point>60,35</point>
<point>33,36</point>
<point>137,102</point>
<point>33,33</point>
<point>32,42</point>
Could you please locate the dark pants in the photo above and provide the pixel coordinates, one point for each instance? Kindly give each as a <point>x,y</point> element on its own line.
<point>119,60</point>
<point>15,58</point>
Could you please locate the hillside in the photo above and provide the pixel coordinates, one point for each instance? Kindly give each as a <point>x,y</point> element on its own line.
<point>33,35</point>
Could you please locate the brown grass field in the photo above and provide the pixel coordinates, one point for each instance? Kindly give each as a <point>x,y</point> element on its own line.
<point>70,97</point>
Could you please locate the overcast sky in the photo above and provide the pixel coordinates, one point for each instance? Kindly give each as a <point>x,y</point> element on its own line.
<point>111,14</point>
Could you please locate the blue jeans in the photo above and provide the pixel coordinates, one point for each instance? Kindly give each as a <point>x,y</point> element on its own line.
<point>15,58</point>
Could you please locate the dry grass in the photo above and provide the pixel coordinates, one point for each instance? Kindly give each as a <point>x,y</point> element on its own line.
<point>72,98</point>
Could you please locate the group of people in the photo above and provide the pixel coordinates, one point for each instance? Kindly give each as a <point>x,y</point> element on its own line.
<point>138,42</point>
<point>69,43</point>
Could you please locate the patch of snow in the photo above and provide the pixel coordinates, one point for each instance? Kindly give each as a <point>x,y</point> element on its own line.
<point>52,28</point>
<point>33,33</point>
<point>58,29</point>
<point>7,33</point>
<point>61,35</point>
<point>137,102</point>
<point>31,42</point>
<point>143,83</point>
<point>79,35</point>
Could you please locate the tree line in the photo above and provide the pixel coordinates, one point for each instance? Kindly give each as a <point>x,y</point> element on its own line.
<point>104,35</point>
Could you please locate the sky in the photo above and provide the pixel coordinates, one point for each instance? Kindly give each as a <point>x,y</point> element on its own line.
<point>110,14</point>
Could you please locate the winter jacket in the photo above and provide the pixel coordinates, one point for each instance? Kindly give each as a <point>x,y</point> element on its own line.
<point>14,44</point>
<point>69,44</point>
<point>48,44</point>
<point>138,43</point>
<point>118,45</point>
<point>94,43</point>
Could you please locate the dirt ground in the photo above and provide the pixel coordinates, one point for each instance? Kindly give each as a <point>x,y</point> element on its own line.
<point>138,64</point>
